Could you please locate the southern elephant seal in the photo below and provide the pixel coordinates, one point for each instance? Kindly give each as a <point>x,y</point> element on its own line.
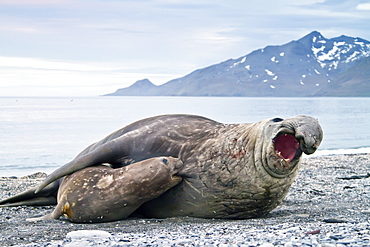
<point>101,193</point>
<point>230,170</point>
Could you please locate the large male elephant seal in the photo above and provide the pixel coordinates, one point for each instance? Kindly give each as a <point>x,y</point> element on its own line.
<point>101,193</point>
<point>230,170</point>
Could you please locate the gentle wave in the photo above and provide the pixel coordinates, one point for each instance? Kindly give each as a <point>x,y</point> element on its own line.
<point>328,152</point>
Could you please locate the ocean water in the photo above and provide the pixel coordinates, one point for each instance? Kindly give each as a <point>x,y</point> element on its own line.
<point>41,134</point>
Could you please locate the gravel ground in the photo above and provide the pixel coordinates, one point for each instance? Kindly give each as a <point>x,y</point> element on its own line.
<point>328,205</point>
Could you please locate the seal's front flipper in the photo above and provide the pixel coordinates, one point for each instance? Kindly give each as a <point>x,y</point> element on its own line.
<point>46,197</point>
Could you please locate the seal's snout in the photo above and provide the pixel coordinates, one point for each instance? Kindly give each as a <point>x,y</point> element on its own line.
<point>309,134</point>
<point>309,144</point>
<point>178,165</point>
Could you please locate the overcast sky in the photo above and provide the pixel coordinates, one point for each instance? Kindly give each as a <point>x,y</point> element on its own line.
<point>87,48</point>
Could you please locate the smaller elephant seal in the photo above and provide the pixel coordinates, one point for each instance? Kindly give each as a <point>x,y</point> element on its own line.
<point>102,194</point>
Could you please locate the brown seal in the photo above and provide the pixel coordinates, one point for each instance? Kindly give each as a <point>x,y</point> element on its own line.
<point>230,170</point>
<point>101,194</point>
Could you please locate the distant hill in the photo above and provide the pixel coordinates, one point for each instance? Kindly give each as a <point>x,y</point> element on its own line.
<point>310,66</point>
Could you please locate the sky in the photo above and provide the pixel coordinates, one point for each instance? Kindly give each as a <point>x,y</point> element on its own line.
<point>86,48</point>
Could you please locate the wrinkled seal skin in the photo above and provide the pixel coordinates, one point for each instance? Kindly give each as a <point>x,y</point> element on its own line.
<point>101,194</point>
<point>230,170</point>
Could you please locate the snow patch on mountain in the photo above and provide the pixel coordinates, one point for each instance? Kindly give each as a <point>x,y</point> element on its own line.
<point>330,53</point>
<point>270,73</point>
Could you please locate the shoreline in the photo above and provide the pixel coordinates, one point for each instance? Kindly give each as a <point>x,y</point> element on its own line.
<point>327,205</point>
<point>321,153</point>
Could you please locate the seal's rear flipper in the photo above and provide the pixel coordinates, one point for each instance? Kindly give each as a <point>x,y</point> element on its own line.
<point>52,216</point>
<point>36,219</point>
<point>37,201</point>
<point>47,196</point>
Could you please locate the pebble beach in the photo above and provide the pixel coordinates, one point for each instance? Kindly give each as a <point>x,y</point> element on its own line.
<point>328,205</point>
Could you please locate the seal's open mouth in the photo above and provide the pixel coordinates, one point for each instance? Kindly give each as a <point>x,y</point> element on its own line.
<point>286,146</point>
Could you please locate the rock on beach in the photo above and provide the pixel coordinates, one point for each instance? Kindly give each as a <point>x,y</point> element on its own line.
<point>328,205</point>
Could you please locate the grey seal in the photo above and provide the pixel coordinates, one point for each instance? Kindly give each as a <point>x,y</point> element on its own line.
<point>230,170</point>
<point>102,194</point>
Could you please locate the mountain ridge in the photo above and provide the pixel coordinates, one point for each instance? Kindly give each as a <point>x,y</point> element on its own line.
<point>309,66</point>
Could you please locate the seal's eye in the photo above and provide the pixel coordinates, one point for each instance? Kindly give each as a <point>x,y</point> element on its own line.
<point>165,161</point>
<point>277,119</point>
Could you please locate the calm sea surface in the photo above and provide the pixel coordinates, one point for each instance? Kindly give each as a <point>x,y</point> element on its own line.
<point>41,134</point>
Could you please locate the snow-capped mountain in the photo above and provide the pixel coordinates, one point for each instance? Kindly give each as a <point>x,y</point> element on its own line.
<point>310,66</point>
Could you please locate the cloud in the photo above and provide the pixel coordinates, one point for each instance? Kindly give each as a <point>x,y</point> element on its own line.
<point>19,29</point>
<point>115,42</point>
<point>36,63</point>
<point>33,2</point>
<point>37,77</point>
<point>363,6</point>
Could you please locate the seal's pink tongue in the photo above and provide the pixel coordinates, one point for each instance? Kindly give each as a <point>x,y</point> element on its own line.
<point>286,146</point>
